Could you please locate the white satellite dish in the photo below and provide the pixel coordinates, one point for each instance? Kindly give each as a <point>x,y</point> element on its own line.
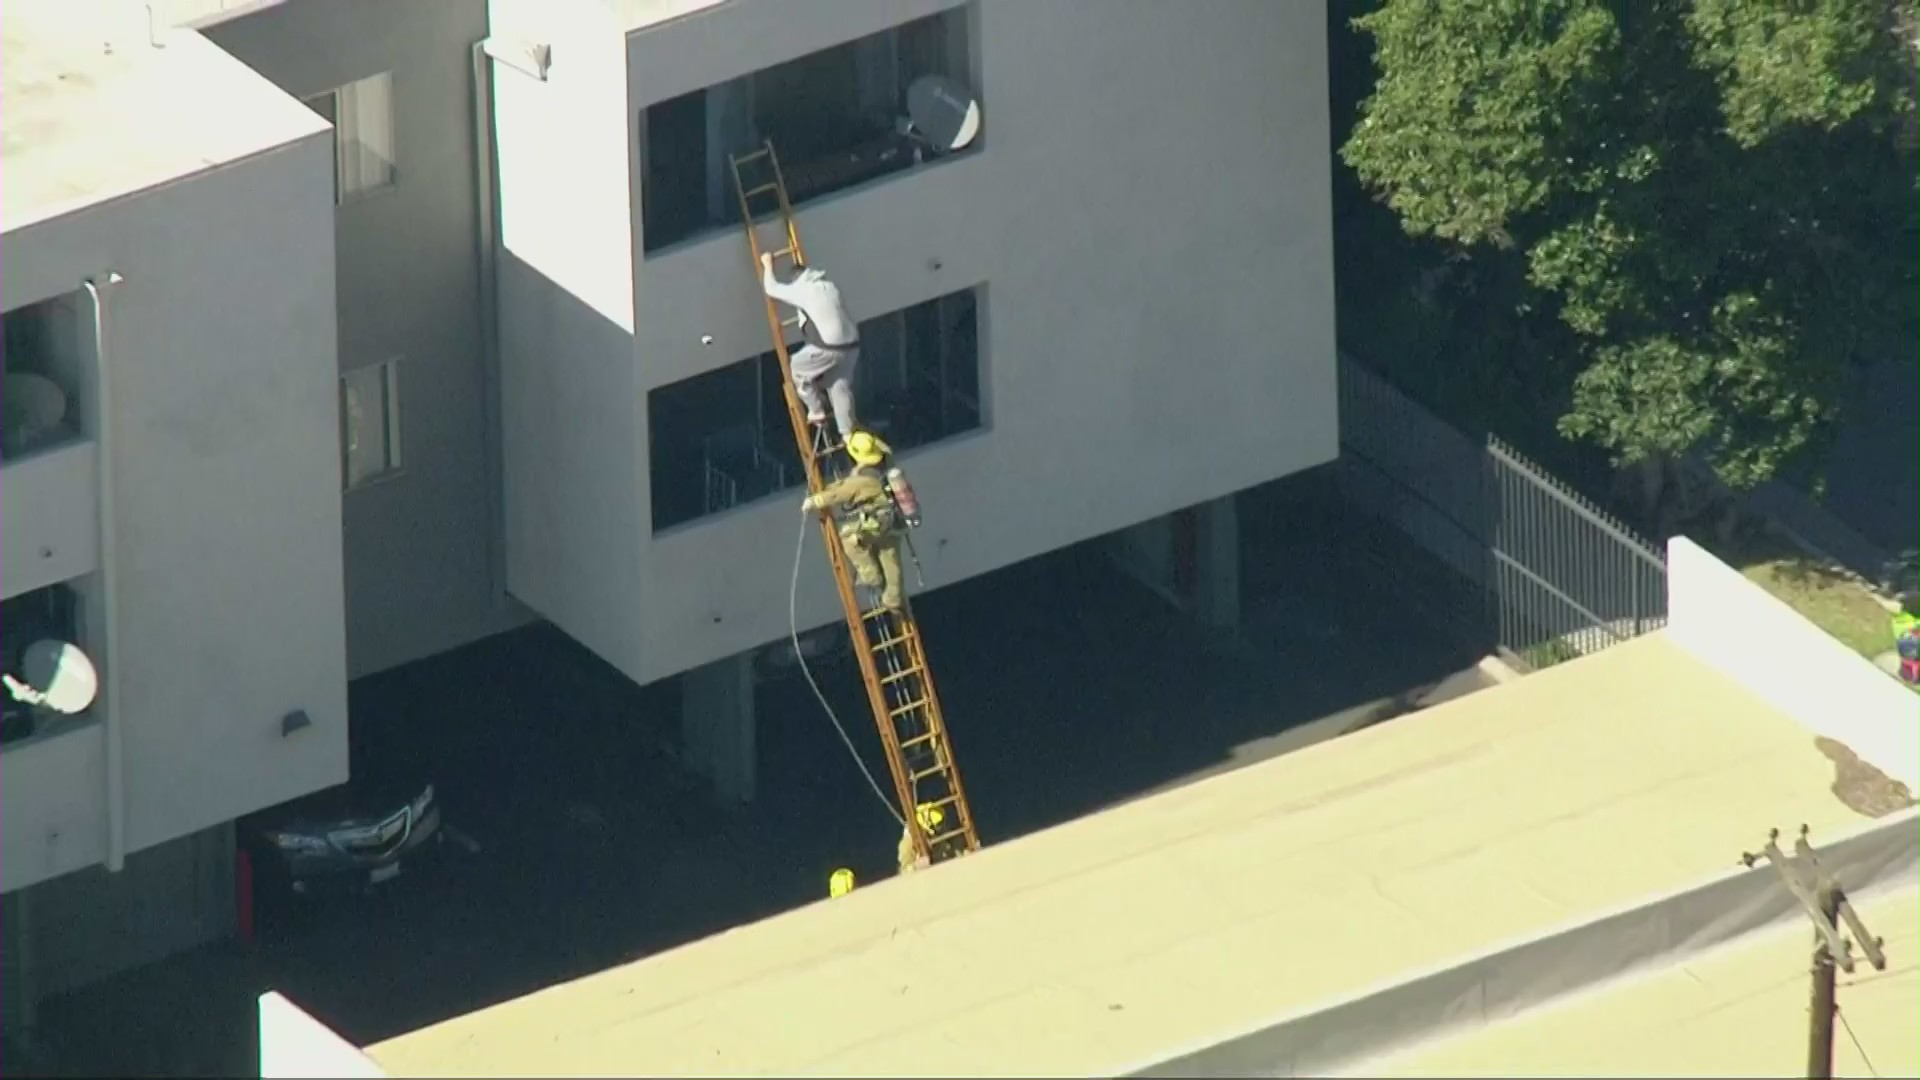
<point>59,676</point>
<point>942,113</point>
<point>31,406</point>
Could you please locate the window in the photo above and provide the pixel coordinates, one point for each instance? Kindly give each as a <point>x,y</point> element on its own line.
<point>45,368</point>
<point>361,113</point>
<point>832,117</point>
<point>723,439</point>
<point>52,612</point>
<point>370,424</point>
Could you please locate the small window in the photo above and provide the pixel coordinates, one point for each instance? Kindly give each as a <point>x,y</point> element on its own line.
<point>833,116</point>
<point>46,365</point>
<point>361,113</point>
<point>724,439</point>
<point>370,424</point>
<point>49,613</point>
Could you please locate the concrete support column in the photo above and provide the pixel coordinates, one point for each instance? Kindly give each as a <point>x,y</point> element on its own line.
<point>1191,558</point>
<point>717,726</point>
<point>19,1005</point>
<point>1215,580</point>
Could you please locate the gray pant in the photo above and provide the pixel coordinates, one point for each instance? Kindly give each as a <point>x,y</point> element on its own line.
<point>814,368</point>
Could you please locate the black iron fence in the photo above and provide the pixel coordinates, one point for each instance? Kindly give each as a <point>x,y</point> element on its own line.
<point>1552,575</point>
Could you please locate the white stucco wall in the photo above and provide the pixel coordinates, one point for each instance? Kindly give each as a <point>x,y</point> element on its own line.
<point>225,448</point>
<point>1150,216</point>
<point>573,482</point>
<point>54,817</point>
<point>1740,629</point>
<point>294,1044</point>
<point>49,517</point>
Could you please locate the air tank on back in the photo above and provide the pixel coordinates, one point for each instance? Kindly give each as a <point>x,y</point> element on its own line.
<point>903,496</point>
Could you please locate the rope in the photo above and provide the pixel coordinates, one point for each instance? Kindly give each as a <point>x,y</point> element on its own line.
<point>793,634</point>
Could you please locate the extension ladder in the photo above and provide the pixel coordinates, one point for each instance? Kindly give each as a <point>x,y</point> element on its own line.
<point>893,659</point>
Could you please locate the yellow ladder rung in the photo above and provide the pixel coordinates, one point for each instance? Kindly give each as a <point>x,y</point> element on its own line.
<point>754,156</point>
<point>934,771</point>
<point>951,834</point>
<point>890,642</point>
<point>898,675</point>
<point>918,739</point>
<point>917,703</point>
<point>761,190</point>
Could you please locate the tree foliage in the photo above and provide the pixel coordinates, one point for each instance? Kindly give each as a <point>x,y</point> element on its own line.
<point>1711,199</point>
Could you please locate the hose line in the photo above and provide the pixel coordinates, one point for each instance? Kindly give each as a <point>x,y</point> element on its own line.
<point>793,633</point>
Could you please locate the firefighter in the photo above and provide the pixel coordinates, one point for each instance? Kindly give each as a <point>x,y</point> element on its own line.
<point>871,521</point>
<point>832,347</point>
<point>930,817</point>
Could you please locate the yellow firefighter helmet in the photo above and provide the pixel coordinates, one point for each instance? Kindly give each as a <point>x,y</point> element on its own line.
<point>840,884</point>
<point>866,448</point>
<point>929,816</point>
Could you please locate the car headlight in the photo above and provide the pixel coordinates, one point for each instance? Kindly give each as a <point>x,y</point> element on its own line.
<point>287,841</point>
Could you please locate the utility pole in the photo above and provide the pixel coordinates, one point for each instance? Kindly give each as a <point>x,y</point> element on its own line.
<point>1826,903</point>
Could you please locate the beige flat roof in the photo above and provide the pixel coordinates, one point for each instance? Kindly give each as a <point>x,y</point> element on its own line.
<point>1740,1010</point>
<point>1181,920</point>
<point>80,124</point>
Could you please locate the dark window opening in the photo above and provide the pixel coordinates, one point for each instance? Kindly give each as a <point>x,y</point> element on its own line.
<point>723,439</point>
<point>52,612</point>
<point>832,116</point>
<point>41,356</point>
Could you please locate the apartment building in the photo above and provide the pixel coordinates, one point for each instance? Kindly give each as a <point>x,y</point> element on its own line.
<point>1115,304</point>
<point>423,319</point>
<point>171,479</point>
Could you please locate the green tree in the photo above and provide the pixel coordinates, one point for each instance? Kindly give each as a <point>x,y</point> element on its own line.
<point>1713,200</point>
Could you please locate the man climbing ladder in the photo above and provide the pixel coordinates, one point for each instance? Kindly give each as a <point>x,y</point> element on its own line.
<point>832,348</point>
<point>928,799</point>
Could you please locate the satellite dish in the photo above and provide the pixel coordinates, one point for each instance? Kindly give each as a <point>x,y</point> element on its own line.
<point>30,406</point>
<point>58,676</point>
<point>943,112</point>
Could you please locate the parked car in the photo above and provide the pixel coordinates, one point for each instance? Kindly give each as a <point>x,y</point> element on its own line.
<point>351,837</point>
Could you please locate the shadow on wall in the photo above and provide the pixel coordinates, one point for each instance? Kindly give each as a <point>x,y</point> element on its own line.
<point>572,487</point>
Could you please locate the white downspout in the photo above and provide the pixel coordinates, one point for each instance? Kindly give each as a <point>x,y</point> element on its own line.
<point>109,576</point>
<point>487,212</point>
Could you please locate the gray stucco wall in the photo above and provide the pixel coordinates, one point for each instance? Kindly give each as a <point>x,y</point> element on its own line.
<point>225,443</point>
<point>1150,215</point>
<point>420,579</point>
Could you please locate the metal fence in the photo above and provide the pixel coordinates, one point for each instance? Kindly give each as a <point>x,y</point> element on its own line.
<point>1556,576</point>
